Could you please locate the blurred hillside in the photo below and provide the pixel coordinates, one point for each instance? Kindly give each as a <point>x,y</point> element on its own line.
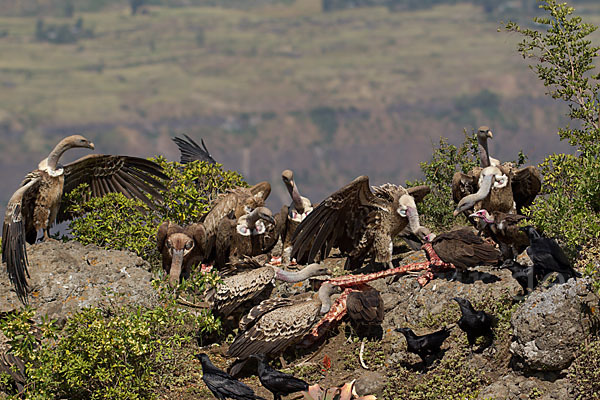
<point>270,84</point>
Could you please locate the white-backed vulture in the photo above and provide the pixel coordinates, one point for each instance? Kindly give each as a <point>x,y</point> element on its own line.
<point>37,203</point>
<point>191,151</point>
<point>250,235</point>
<point>525,183</point>
<point>233,205</point>
<point>181,248</point>
<point>295,213</point>
<point>358,222</point>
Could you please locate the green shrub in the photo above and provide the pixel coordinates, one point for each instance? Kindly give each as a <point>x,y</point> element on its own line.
<point>563,61</point>
<point>190,191</point>
<point>436,210</point>
<point>584,372</point>
<point>104,353</point>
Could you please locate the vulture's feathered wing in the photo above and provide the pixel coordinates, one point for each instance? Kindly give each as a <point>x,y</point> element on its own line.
<point>191,151</point>
<point>37,203</point>
<point>358,222</point>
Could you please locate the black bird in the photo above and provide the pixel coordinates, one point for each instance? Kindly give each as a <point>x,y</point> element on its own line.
<point>547,256</point>
<point>277,382</point>
<point>525,276</point>
<point>191,151</point>
<point>425,345</point>
<point>474,323</point>
<point>223,385</point>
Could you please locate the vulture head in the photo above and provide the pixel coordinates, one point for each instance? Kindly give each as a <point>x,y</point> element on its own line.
<point>302,205</point>
<point>179,246</point>
<point>324,294</point>
<point>253,224</point>
<point>483,133</point>
<point>78,141</point>
<point>407,208</point>
<point>490,176</point>
<point>425,235</point>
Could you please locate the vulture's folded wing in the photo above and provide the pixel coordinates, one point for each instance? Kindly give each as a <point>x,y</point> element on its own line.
<point>526,183</point>
<point>133,176</point>
<point>18,221</point>
<point>191,151</point>
<point>463,185</point>
<point>419,192</point>
<point>339,216</point>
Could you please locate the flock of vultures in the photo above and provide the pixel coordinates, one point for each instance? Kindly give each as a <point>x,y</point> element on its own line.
<point>238,237</point>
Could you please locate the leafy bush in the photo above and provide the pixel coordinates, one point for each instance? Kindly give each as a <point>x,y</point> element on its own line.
<point>190,191</point>
<point>563,61</point>
<point>436,209</point>
<point>104,354</point>
<point>584,372</point>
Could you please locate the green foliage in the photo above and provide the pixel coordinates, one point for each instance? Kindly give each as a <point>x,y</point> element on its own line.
<point>563,61</point>
<point>436,210</point>
<point>191,189</point>
<point>451,378</point>
<point>103,354</point>
<point>584,372</point>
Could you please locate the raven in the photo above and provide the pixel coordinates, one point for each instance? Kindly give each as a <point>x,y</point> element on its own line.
<point>223,385</point>
<point>547,256</point>
<point>525,276</point>
<point>278,383</point>
<point>425,345</point>
<point>474,323</point>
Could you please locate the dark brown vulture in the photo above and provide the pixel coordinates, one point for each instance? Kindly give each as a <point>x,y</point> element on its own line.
<point>37,203</point>
<point>365,307</point>
<point>462,247</point>
<point>359,222</point>
<point>181,248</point>
<point>503,228</point>
<point>296,212</point>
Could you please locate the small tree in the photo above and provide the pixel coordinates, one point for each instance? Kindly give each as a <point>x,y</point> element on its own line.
<point>563,59</point>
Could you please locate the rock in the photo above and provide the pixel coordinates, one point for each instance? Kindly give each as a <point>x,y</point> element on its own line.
<point>517,387</point>
<point>66,277</point>
<point>550,326</point>
<point>370,383</point>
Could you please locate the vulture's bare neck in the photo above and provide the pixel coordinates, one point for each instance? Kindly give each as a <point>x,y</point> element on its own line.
<point>483,151</point>
<point>57,152</point>
<point>296,198</point>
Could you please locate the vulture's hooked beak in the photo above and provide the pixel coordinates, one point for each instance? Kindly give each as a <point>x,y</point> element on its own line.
<point>176,264</point>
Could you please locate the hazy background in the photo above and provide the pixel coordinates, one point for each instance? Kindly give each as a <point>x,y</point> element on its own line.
<point>332,89</point>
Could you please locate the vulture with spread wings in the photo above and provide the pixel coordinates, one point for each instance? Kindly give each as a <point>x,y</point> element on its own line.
<point>37,203</point>
<point>359,222</point>
<point>191,151</point>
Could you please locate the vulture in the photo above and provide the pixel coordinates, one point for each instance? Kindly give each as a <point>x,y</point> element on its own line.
<point>191,151</point>
<point>503,228</point>
<point>252,234</point>
<point>296,212</point>
<point>365,307</point>
<point>278,323</point>
<point>233,205</point>
<point>547,256</point>
<point>461,247</point>
<point>235,290</point>
<point>359,222</point>
<point>37,203</point>
<point>525,183</point>
<point>181,248</point>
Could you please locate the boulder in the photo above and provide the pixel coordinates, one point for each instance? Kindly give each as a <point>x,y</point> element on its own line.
<point>66,277</point>
<point>551,324</point>
<point>516,387</point>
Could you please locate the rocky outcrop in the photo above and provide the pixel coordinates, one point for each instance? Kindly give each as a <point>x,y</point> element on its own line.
<point>66,277</point>
<point>516,387</point>
<point>551,325</point>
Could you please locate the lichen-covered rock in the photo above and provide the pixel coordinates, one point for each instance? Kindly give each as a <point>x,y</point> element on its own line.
<point>66,277</point>
<point>550,326</point>
<point>370,383</point>
<point>517,387</point>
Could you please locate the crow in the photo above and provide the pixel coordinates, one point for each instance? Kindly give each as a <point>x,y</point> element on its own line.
<point>547,256</point>
<point>474,323</point>
<point>278,383</point>
<point>223,385</point>
<point>525,276</point>
<point>425,345</point>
